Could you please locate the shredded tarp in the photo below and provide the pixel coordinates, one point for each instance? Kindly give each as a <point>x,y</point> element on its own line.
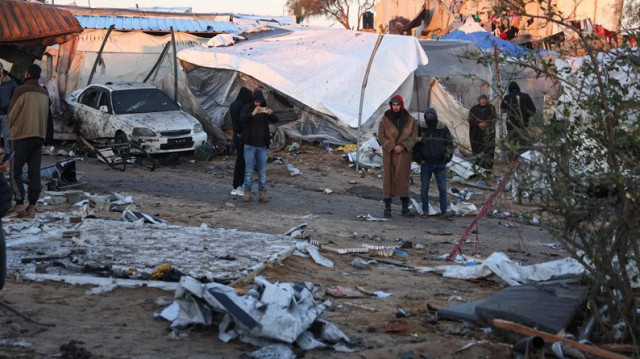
<point>320,68</point>
<point>266,315</point>
<point>511,272</point>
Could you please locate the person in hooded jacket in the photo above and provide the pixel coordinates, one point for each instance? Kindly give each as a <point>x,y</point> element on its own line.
<point>7,86</point>
<point>235,109</point>
<point>433,151</point>
<point>482,132</point>
<point>519,108</point>
<point>255,118</point>
<point>397,133</point>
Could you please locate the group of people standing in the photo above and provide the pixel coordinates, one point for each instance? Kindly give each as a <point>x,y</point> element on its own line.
<point>403,141</point>
<point>430,144</point>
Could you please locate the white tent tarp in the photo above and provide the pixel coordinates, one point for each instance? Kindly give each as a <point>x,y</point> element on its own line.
<point>322,69</point>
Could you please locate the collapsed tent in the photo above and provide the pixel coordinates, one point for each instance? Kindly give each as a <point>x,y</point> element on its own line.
<point>473,32</point>
<point>311,78</point>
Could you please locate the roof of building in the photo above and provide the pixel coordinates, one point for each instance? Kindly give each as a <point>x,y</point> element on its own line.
<point>24,21</point>
<point>150,23</point>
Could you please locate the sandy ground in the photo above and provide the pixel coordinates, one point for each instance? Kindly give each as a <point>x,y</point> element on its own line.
<point>120,324</point>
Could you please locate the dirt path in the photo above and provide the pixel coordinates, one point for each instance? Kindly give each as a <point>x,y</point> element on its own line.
<point>120,324</point>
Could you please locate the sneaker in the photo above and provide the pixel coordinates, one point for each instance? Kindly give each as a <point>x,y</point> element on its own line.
<point>31,209</point>
<point>238,191</point>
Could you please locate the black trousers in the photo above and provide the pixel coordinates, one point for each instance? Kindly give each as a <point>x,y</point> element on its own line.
<point>238,169</point>
<point>27,151</point>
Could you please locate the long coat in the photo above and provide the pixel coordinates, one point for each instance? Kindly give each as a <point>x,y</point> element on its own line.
<point>483,140</point>
<point>396,167</point>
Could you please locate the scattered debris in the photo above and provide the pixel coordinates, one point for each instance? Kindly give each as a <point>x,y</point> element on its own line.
<point>370,218</point>
<point>266,315</point>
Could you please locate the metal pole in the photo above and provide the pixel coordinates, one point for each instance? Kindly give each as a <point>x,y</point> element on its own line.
<point>175,67</point>
<point>157,64</point>
<point>364,85</point>
<point>501,120</point>
<point>95,64</point>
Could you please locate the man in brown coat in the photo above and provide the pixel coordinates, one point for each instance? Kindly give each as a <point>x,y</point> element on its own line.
<point>27,116</point>
<point>397,133</point>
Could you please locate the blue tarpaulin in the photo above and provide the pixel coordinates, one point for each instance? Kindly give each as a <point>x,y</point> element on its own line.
<point>485,41</point>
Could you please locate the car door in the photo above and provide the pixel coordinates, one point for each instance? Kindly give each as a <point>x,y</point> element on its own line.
<point>109,123</point>
<point>88,115</point>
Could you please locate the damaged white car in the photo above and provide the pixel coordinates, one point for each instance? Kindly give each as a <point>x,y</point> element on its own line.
<point>137,112</point>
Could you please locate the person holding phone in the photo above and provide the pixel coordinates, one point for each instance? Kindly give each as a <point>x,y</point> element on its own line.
<point>255,118</point>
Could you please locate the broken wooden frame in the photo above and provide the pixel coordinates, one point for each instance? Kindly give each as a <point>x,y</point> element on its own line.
<point>116,152</point>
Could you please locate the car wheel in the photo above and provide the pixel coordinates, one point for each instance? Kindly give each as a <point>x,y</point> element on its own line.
<point>121,137</point>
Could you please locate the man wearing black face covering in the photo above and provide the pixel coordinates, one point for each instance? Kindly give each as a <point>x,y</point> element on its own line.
<point>433,151</point>
<point>482,132</point>
<point>519,108</point>
<point>397,134</point>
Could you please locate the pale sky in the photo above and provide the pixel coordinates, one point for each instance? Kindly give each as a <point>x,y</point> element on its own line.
<point>248,7</point>
<point>257,7</point>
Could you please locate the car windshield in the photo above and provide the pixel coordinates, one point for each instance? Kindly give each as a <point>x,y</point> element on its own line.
<point>142,101</point>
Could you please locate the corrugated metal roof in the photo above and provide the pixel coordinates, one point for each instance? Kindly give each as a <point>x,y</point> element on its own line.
<point>23,21</point>
<point>156,24</point>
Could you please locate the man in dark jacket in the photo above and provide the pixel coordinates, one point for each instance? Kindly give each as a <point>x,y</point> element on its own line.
<point>28,114</point>
<point>433,151</point>
<point>255,119</point>
<point>482,132</point>
<point>7,86</point>
<point>235,109</point>
<point>519,108</point>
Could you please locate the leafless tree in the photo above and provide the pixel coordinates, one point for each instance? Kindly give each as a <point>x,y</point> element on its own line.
<point>332,9</point>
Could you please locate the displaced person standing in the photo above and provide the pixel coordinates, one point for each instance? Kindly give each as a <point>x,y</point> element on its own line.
<point>433,151</point>
<point>27,116</point>
<point>482,132</point>
<point>7,86</point>
<point>397,133</point>
<point>235,109</point>
<point>519,108</point>
<point>255,118</point>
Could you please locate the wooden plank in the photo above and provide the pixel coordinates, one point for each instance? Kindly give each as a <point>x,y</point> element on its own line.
<point>524,330</point>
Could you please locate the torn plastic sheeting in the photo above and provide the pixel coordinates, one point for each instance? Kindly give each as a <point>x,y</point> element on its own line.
<point>460,208</point>
<point>464,168</point>
<point>104,203</point>
<point>186,311</point>
<point>282,312</point>
<point>63,174</point>
<point>134,216</point>
<point>296,228</point>
<point>313,252</point>
<point>370,154</point>
<point>293,171</point>
<point>369,218</point>
<point>512,273</point>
